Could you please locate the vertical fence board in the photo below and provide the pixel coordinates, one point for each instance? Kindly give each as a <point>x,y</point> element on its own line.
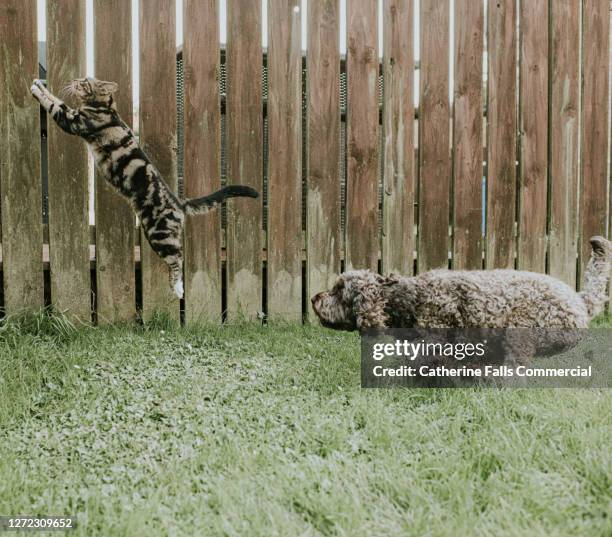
<point>158,134</point>
<point>285,160</point>
<point>115,282</point>
<point>245,157</point>
<point>564,141</point>
<point>323,210</point>
<point>20,158</point>
<point>467,135</point>
<point>362,244</point>
<point>398,125</point>
<point>68,170</point>
<point>596,37</point>
<point>501,134</point>
<point>202,158</point>
<point>434,125</point>
<point>533,119</point>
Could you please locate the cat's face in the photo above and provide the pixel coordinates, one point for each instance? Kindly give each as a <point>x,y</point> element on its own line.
<point>91,90</point>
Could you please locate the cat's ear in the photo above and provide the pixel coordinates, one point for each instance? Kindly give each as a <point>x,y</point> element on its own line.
<point>109,87</point>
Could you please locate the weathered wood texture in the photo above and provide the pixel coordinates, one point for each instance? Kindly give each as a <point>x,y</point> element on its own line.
<point>467,136</point>
<point>434,126</point>
<point>20,181</point>
<point>115,231</point>
<point>595,101</point>
<point>323,210</point>
<point>501,134</point>
<point>539,214</point>
<point>158,135</point>
<point>533,117</point>
<point>202,168</point>
<point>564,138</point>
<point>245,157</point>
<point>398,124</point>
<point>284,160</point>
<point>68,168</point>
<point>362,241</point>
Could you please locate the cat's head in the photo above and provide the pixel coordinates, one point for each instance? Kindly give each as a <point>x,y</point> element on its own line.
<point>93,91</point>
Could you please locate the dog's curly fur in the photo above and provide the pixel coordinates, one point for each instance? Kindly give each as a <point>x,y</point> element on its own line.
<point>362,300</point>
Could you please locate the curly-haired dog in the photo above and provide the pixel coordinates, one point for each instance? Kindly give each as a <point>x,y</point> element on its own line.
<point>362,300</point>
<point>545,315</point>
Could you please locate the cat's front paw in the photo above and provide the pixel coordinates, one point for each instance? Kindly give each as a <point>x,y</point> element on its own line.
<point>37,89</point>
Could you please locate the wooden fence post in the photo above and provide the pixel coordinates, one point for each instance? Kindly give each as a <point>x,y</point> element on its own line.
<point>398,124</point>
<point>362,240</point>
<point>158,136</point>
<point>434,121</point>
<point>284,160</point>
<point>202,168</point>
<point>595,80</point>
<point>115,222</point>
<point>467,135</point>
<point>323,241</point>
<point>245,157</point>
<point>533,118</point>
<point>564,138</point>
<point>20,182</point>
<point>68,168</point>
<point>501,134</point>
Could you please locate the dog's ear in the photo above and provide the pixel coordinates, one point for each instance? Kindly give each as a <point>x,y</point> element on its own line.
<point>369,305</point>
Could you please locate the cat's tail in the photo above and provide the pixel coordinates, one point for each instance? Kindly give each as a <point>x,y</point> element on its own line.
<point>206,203</point>
<point>596,275</point>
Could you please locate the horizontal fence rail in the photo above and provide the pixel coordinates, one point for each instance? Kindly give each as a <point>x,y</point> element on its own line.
<point>461,134</point>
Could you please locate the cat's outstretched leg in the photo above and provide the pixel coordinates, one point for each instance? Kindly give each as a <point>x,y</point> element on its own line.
<point>67,119</point>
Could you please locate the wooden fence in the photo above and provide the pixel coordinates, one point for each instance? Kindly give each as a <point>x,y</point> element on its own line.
<point>485,146</point>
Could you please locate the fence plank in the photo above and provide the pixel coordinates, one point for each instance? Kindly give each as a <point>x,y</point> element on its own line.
<point>467,136</point>
<point>202,158</point>
<point>68,170</point>
<point>284,160</point>
<point>564,142</point>
<point>398,125</point>
<point>533,119</point>
<point>596,36</point>
<point>115,231</point>
<point>158,134</point>
<point>362,244</point>
<point>245,157</point>
<point>323,210</point>
<point>20,158</point>
<point>434,124</point>
<point>501,133</point>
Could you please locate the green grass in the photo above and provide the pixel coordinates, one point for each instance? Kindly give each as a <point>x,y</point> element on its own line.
<point>248,430</point>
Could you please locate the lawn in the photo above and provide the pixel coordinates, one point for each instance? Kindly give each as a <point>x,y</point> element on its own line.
<point>263,430</point>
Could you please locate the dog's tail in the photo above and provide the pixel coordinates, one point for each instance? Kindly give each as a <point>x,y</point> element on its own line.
<point>206,203</point>
<point>596,275</point>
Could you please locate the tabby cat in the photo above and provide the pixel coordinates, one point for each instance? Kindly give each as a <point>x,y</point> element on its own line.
<point>128,169</point>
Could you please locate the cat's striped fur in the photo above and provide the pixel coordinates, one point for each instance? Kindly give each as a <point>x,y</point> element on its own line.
<point>128,169</point>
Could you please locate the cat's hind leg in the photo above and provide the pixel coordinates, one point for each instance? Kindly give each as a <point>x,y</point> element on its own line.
<point>175,266</point>
<point>166,243</point>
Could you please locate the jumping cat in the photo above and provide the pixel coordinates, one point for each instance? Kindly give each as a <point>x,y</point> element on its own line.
<point>129,170</point>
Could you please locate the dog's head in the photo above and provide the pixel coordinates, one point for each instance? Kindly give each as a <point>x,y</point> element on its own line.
<point>355,302</point>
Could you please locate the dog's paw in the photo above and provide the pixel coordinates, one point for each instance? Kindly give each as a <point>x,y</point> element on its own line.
<point>178,289</point>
